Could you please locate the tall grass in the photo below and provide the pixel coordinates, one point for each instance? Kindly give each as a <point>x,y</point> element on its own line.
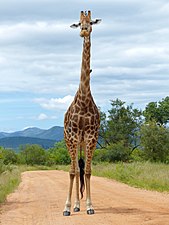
<point>150,176</point>
<point>9,180</point>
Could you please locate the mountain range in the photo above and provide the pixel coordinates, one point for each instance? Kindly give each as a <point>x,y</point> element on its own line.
<point>33,135</point>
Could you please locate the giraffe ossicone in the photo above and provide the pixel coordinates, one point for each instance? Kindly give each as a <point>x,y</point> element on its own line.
<point>81,124</point>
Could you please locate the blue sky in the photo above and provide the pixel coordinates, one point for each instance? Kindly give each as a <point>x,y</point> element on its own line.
<point>40,57</point>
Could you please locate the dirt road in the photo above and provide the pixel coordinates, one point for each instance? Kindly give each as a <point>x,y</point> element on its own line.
<point>40,199</point>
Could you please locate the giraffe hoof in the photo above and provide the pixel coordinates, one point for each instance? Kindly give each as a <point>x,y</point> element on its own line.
<point>76,209</point>
<point>90,211</point>
<point>66,213</point>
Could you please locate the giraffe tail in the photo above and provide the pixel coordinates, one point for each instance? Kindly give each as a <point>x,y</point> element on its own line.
<point>82,184</point>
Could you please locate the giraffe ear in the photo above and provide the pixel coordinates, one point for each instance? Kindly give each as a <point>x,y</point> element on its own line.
<point>75,25</point>
<point>97,21</point>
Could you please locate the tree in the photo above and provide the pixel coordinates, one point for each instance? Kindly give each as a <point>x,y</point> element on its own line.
<point>102,141</point>
<point>155,142</point>
<point>158,112</point>
<point>113,153</point>
<point>58,154</point>
<point>9,156</point>
<point>164,110</point>
<point>33,155</point>
<point>123,123</point>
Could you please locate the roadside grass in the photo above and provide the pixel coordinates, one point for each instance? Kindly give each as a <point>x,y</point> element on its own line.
<point>9,180</point>
<point>146,175</point>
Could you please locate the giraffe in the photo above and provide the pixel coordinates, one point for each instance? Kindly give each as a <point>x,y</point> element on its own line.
<point>81,123</point>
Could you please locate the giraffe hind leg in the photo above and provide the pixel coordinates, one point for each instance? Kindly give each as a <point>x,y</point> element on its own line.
<point>74,173</point>
<point>77,201</point>
<point>89,206</point>
<point>67,208</point>
<point>89,153</point>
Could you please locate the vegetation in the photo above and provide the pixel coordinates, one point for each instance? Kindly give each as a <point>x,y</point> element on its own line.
<point>150,176</point>
<point>158,112</point>
<point>58,155</point>
<point>155,142</point>
<point>32,155</point>
<point>127,134</point>
<point>122,123</point>
<point>9,179</point>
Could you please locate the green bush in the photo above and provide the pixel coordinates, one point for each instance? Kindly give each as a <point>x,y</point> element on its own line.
<point>32,155</point>
<point>119,152</point>
<point>155,142</point>
<point>113,153</point>
<point>137,155</point>
<point>58,154</point>
<point>2,166</point>
<point>9,156</point>
<point>100,155</point>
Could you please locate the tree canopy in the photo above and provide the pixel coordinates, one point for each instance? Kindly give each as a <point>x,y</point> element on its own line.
<point>121,124</point>
<point>158,112</point>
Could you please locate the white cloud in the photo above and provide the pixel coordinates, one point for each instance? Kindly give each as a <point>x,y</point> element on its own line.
<point>32,33</point>
<point>55,103</point>
<point>148,52</point>
<point>42,116</point>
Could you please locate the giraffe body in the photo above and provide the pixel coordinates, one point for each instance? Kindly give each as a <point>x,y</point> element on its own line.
<point>81,123</point>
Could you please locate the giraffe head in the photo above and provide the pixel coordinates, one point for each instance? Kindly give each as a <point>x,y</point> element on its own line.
<point>85,24</point>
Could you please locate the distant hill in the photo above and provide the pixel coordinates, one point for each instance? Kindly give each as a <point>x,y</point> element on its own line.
<point>54,133</point>
<point>33,135</point>
<point>15,142</point>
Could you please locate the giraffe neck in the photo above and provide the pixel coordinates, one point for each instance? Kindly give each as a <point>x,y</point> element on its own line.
<point>85,68</point>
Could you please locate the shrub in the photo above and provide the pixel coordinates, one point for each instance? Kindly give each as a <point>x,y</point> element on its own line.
<point>113,153</point>
<point>32,155</point>
<point>137,155</point>
<point>9,156</point>
<point>58,154</point>
<point>155,142</point>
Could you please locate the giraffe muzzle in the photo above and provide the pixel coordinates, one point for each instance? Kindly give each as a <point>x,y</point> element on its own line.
<point>84,33</point>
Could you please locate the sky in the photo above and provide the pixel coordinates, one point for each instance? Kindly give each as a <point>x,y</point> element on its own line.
<point>40,57</point>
